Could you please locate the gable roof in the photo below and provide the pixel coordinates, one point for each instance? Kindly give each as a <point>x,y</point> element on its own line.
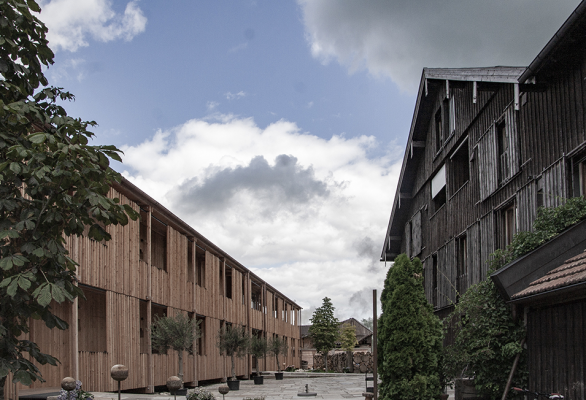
<point>570,275</point>
<point>432,80</point>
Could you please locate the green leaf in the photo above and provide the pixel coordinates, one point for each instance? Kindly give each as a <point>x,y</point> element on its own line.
<point>11,289</point>
<point>24,283</point>
<point>57,293</point>
<point>33,6</point>
<point>44,295</point>
<point>6,263</point>
<point>23,377</point>
<point>37,138</point>
<point>15,167</point>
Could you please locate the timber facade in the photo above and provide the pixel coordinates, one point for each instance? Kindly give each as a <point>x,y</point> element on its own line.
<point>487,148</point>
<point>157,266</point>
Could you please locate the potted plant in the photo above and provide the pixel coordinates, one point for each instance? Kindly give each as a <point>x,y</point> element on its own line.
<point>233,342</point>
<point>258,348</point>
<point>278,346</point>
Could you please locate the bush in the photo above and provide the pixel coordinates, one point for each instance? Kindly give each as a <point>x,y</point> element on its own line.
<point>410,336</point>
<point>76,394</point>
<point>199,394</point>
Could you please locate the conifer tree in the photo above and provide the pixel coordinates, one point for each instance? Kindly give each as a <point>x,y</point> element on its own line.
<point>324,330</point>
<point>410,336</point>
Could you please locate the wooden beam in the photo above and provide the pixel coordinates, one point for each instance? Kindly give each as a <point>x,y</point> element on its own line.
<point>474,91</point>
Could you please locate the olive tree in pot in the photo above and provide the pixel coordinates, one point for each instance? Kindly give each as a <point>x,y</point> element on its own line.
<point>278,346</point>
<point>233,342</point>
<point>258,348</point>
<point>178,333</point>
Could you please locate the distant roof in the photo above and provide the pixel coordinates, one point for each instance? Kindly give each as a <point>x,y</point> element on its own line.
<point>570,273</point>
<point>304,329</point>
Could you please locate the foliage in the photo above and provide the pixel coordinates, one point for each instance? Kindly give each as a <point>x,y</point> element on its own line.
<point>487,341</point>
<point>278,346</point>
<point>233,342</point>
<point>324,329</point>
<point>290,368</point>
<point>410,336</point>
<point>549,223</point>
<point>348,337</point>
<point>199,394</point>
<point>53,185</point>
<point>76,394</point>
<point>488,338</point>
<point>258,347</point>
<point>178,333</point>
<point>367,322</point>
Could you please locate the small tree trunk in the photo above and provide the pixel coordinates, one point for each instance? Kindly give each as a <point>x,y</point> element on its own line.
<point>233,368</point>
<point>278,365</point>
<point>180,354</point>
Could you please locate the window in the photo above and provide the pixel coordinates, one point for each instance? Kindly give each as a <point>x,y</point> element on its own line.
<point>459,167</point>
<point>143,234</point>
<point>158,244</point>
<point>462,261</point>
<point>229,282</point>
<point>275,306</point>
<point>509,216</point>
<point>190,269</point>
<point>439,130</point>
<point>438,189</point>
<point>92,320</point>
<point>200,265</point>
<point>157,311</point>
<point>579,175</point>
<point>503,150</point>
<point>201,341</point>
<point>243,291</point>
<point>256,297</point>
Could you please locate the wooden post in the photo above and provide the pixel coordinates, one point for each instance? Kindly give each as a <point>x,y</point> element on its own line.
<point>374,345</point>
<point>150,367</point>
<point>194,299</point>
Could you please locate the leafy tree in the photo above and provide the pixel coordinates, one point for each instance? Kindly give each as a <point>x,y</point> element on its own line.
<point>258,348</point>
<point>53,185</point>
<point>278,346</point>
<point>233,342</point>
<point>177,333</point>
<point>348,337</point>
<point>487,341</point>
<point>324,330</point>
<point>410,336</point>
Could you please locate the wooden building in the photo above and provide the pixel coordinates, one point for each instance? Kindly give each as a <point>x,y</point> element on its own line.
<point>486,148</point>
<point>157,266</point>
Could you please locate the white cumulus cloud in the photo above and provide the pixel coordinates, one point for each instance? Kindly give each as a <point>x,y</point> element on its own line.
<point>397,38</point>
<point>72,22</point>
<point>307,214</point>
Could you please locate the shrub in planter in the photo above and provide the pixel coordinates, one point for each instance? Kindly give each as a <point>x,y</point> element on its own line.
<point>199,394</point>
<point>258,347</point>
<point>76,394</point>
<point>278,346</point>
<point>233,342</point>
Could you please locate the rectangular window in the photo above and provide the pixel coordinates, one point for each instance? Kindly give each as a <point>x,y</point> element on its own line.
<point>462,249</point>
<point>228,282</point>
<point>256,297</point>
<point>201,341</point>
<point>190,269</point>
<point>509,224</point>
<point>243,291</point>
<point>438,189</point>
<point>158,244</point>
<point>439,130</point>
<point>459,167</point>
<point>275,306</point>
<point>92,320</point>
<point>503,150</point>
<point>200,263</point>
<point>157,311</point>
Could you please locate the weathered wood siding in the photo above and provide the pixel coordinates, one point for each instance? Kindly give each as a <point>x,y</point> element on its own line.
<point>136,275</point>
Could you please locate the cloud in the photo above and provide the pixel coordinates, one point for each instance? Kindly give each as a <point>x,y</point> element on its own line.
<point>305,213</point>
<point>397,38</point>
<point>212,105</point>
<point>285,185</point>
<point>232,96</point>
<point>71,22</point>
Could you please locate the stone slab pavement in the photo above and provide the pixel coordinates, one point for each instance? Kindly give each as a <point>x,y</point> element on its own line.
<point>327,386</point>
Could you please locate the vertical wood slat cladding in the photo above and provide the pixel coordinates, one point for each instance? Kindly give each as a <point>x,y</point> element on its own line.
<point>474,260</point>
<point>487,153</point>
<point>487,243</point>
<point>527,196</point>
<point>555,342</point>
<point>446,272</point>
<point>121,286</point>
<point>555,184</point>
<point>428,279</point>
<point>416,233</point>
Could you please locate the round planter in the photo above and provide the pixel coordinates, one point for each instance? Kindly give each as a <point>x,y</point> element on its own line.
<point>234,385</point>
<point>279,376</point>
<point>259,380</point>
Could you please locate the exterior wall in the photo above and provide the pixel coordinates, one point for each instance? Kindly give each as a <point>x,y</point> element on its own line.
<point>547,133</point>
<point>124,289</point>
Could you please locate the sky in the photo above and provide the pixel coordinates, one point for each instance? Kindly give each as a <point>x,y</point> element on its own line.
<point>277,129</point>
